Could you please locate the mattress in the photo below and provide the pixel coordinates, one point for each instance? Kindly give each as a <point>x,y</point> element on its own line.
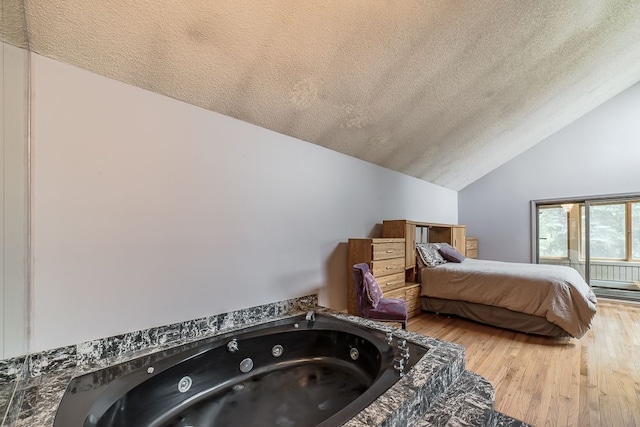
<point>557,294</point>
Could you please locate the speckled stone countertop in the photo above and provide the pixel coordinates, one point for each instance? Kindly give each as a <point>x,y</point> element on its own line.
<point>32,387</point>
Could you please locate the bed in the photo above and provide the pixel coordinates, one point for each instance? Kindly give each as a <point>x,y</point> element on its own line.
<point>533,298</point>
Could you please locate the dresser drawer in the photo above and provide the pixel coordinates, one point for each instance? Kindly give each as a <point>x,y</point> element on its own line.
<point>388,250</point>
<point>386,267</point>
<point>392,281</point>
<point>396,293</point>
<point>413,293</point>
<point>413,305</point>
<point>412,296</point>
<point>472,253</point>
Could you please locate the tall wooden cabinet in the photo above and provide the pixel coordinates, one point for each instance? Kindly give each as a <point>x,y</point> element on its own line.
<point>455,235</point>
<point>422,232</point>
<point>386,259</point>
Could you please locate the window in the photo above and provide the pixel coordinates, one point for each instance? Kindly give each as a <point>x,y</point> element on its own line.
<point>561,237</point>
<point>552,232</point>
<point>607,231</point>
<point>614,231</point>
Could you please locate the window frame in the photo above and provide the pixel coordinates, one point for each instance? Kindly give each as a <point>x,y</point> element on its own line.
<point>628,231</point>
<point>567,227</point>
<point>535,204</point>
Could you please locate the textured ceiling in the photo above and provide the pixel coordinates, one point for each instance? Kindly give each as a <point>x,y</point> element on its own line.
<point>442,90</point>
<point>12,23</point>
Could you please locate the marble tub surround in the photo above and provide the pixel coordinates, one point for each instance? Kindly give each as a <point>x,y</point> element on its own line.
<point>12,369</point>
<point>468,402</point>
<point>13,372</point>
<point>412,396</point>
<point>35,383</point>
<point>97,354</point>
<point>417,394</point>
<point>502,420</point>
<point>438,391</point>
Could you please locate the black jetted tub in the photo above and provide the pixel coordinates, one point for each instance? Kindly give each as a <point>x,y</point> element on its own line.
<point>291,372</point>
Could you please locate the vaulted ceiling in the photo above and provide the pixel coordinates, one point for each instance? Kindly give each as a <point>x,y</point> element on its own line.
<point>442,90</point>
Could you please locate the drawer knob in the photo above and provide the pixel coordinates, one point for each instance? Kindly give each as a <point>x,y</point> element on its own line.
<point>389,251</point>
<point>389,268</point>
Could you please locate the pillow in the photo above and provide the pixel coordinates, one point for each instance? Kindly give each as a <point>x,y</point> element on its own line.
<point>372,289</point>
<point>442,245</point>
<point>449,253</point>
<point>429,254</point>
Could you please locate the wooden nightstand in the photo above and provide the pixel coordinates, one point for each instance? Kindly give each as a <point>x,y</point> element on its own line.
<point>471,248</point>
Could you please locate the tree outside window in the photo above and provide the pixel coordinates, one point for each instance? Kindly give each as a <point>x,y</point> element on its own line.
<point>614,232</point>
<point>607,231</point>
<point>552,232</point>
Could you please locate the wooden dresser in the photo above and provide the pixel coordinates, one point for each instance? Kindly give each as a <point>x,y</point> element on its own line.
<point>386,259</point>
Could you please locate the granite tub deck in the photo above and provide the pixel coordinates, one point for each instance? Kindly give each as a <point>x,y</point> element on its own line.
<point>436,391</point>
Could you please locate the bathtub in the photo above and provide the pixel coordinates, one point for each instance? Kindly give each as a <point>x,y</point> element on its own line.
<point>291,372</point>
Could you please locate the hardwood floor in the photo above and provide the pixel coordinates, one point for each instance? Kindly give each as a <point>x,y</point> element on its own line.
<point>593,381</point>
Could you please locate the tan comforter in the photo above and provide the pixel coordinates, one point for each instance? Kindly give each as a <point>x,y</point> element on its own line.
<point>556,293</point>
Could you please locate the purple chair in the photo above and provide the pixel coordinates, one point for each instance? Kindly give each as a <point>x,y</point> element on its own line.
<point>387,309</point>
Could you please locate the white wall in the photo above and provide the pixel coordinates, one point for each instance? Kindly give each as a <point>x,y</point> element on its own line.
<point>148,211</point>
<point>597,154</point>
